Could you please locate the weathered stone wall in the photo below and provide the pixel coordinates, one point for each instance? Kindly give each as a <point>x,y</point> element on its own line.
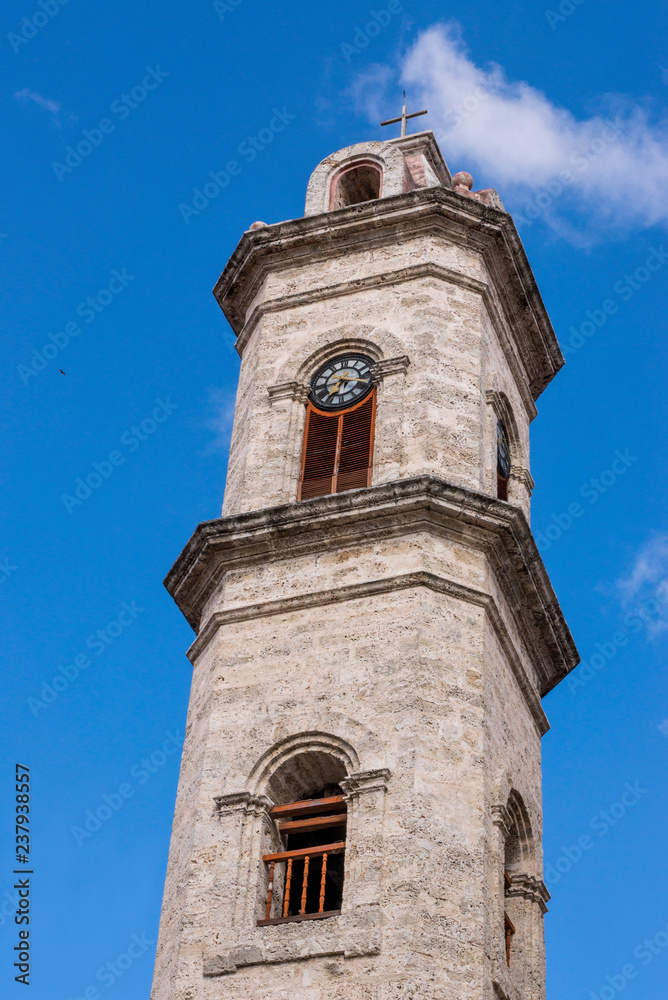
<point>416,683</point>
<point>433,414</point>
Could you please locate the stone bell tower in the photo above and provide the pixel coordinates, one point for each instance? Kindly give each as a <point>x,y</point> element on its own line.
<point>359,807</point>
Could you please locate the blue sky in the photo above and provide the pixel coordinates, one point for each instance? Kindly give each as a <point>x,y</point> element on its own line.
<point>101,261</point>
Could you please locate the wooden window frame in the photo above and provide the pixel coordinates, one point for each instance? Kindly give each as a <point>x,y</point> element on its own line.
<point>338,415</point>
<point>304,816</point>
<point>509,930</point>
<point>508,925</point>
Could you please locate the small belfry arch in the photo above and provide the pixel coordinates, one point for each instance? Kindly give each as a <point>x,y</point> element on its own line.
<point>355,183</point>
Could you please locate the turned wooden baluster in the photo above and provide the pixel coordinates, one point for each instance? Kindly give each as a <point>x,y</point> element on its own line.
<point>286,895</point>
<point>271,890</point>
<point>304,884</point>
<point>510,930</point>
<point>323,876</point>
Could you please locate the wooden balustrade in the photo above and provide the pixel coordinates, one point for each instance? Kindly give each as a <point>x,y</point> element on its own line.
<point>317,881</point>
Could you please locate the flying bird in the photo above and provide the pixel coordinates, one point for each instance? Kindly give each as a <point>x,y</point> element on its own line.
<point>61,371</point>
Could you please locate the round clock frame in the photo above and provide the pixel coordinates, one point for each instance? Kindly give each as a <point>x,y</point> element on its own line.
<point>502,450</point>
<point>355,388</point>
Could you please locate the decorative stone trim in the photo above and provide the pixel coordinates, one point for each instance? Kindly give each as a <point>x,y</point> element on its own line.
<point>365,781</point>
<point>503,411</point>
<point>289,390</point>
<point>310,738</point>
<point>523,476</point>
<point>390,160</point>
<point>421,144</point>
<point>501,818</point>
<point>531,888</point>
<point>462,183</point>
<point>390,366</point>
<point>242,802</point>
<point>300,392</point>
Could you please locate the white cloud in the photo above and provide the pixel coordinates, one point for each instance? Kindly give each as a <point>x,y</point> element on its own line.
<point>645,590</point>
<point>520,142</point>
<point>29,95</point>
<point>650,567</point>
<point>221,404</point>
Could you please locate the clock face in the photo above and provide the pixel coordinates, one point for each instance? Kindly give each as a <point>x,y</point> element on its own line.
<point>342,382</point>
<point>502,450</point>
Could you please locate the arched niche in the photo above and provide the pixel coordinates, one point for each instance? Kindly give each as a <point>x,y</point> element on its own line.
<point>381,156</point>
<point>355,183</point>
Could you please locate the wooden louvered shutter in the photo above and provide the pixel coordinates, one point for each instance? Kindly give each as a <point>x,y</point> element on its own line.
<point>338,449</point>
<point>320,445</point>
<point>355,447</point>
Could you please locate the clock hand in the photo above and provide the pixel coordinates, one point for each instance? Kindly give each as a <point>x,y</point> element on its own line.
<point>341,379</point>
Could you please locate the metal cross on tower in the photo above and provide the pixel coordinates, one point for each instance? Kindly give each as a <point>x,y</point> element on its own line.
<point>404,117</point>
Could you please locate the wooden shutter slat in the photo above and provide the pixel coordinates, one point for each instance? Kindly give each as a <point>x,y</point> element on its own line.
<point>355,452</point>
<point>337,450</point>
<point>319,454</point>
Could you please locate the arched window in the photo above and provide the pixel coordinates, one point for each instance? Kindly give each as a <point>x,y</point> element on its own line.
<point>518,863</point>
<point>338,449</point>
<point>361,181</point>
<point>304,868</point>
<point>502,461</point>
<point>511,865</point>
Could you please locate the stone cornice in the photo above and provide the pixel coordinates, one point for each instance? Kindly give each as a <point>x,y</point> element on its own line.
<point>526,326</point>
<point>387,510</point>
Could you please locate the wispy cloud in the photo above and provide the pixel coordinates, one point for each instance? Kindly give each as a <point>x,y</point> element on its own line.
<point>520,141</point>
<point>650,567</point>
<point>221,406</point>
<point>646,585</point>
<point>29,95</point>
